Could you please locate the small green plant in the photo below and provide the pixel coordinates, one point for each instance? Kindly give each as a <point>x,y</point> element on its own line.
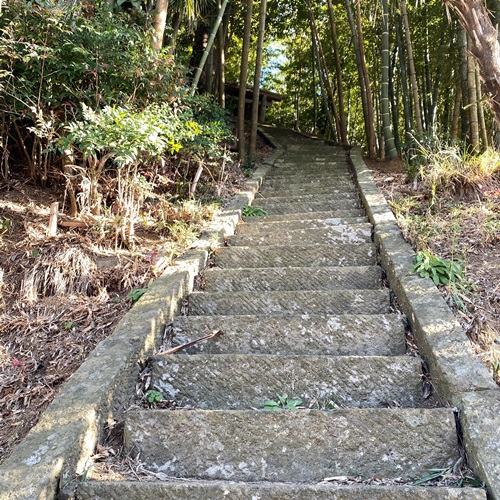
<point>153,397</point>
<point>442,271</point>
<point>253,212</point>
<point>282,403</point>
<point>4,225</point>
<point>438,474</point>
<point>137,293</point>
<point>68,325</point>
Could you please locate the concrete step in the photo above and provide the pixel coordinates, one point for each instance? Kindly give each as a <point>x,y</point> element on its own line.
<point>363,254</point>
<point>345,192</point>
<point>304,198</point>
<point>290,225</point>
<point>290,303</point>
<point>246,381</point>
<point>293,445</point>
<point>295,183</point>
<point>290,207</point>
<point>342,335</point>
<point>352,233</point>
<point>292,278</point>
<point>337,215</point>
<point>311,160</point>
<point>215,490</point>
<point>327,178</point>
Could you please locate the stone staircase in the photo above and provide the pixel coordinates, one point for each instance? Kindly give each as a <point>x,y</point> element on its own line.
<point>298,298</point>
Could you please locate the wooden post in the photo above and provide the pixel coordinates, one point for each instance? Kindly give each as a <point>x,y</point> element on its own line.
<point>54,209</point>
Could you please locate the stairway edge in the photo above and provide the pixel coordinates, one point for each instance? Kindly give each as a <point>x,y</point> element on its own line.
<point>48,462</point>
<point>458,375</point>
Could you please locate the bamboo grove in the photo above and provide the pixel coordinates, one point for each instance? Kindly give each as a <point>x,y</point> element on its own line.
<point>382,73</point>
<point>385,74</point>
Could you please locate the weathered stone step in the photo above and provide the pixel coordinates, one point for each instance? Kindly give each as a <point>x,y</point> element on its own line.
<point>304,198</point>
<point>352,233</point>
<point>289,207</point>
<point>344,192</point>
<point>328,178</point>
<point>338,216</point>
<point>292,278</point>
<point>311,160</point>
<point>343,335</point>
<point>246,381</point>
<point>288,445</point>
<point>215,490</point>
<point>290,303</point>
<point>289,225</point>
<point>296,256</point>
<point>282,184</point>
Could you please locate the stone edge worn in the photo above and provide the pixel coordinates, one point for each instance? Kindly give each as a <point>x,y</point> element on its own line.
<point>459,377</point>
<point>47,463</point>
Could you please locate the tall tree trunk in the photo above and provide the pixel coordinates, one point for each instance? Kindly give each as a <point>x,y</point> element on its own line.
<point>324,73</point>
<point>455,119</point>
<point>436,87</point>
<point>338,71</point>
<point>471,83</point>
<point>384,102</point>
<point>208,48</point>
<point>413,74</point>
<point>408,118</point>
<point>369,99</point>
<point>394,103</point>
<point>480,111</point>
<point>159,21</point>
<point>363,83</point>
<point>243,81</point>
<point>324,99</point>
<point>221,51</point>
<point>464,82</point>
<point>474,17</point>
<point>314,91</point>
<point>256,81</point>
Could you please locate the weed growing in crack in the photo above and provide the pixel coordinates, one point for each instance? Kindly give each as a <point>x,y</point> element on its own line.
<point>282,403</point>
<point>253,212</point>
<point>153,397</point>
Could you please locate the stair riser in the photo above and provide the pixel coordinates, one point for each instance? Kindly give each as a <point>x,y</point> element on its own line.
<point>290,303</point>
<point>297,208</point>
<point>359,214</point>
<point>306,162</point>
<point>240,382</point>
<point>345,193</point>
<point>285,226</point>
<point>205,490</point>
<point>298,446</point>
<point>296,256</point>
<point>373,335</point>
<point>301,183</point>
<point>327,236</point>
<point>251,280</point>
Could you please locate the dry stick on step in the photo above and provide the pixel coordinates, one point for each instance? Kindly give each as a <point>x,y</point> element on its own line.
<point>212,335</point>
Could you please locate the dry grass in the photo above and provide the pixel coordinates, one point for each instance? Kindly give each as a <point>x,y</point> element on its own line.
<point>60,296</point>
<point>460,218</point>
